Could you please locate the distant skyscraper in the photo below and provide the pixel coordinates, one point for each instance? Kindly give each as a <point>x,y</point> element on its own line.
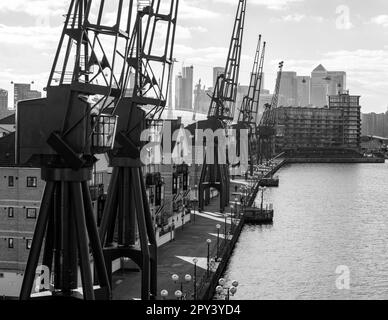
<point>337,82</point>
<point>262,82</point>
<point>188,87</point>
<point>375,124</point>
<point>319,87</point>
<point>22,91</point>
<point>217,71</point>
<point>201,99</point>
<point>4,111</point>
<point>178,91</point>
<point>289,87</point>
<point>184,89</point>
<point>303,89</point>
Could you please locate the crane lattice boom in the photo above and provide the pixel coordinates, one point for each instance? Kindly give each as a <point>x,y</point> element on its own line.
<point>225,91</point>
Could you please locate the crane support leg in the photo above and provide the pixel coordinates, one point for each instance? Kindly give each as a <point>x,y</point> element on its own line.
<point>126,210</point>
<point>67,225</point>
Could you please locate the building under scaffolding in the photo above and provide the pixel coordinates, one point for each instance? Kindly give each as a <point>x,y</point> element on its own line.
<point>338,126</point>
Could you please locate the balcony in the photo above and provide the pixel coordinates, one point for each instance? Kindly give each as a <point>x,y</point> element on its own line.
<point>96,191</point>
<point>153,179</point>
<point>182,169</point>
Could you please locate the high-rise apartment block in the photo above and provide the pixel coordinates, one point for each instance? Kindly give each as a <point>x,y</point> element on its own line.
<point>351,117</point>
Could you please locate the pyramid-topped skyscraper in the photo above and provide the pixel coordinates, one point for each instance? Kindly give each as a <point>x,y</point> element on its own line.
<point>326,83</point>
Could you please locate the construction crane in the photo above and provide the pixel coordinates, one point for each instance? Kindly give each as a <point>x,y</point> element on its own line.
<point>127,209</point>
<point>61,134</point>
<point>215,174</point>
<point>248,113</point>
<point>268,122</point>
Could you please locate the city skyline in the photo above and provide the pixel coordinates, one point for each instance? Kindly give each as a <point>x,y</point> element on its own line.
<point>246,181</point>
<point>338,34</point>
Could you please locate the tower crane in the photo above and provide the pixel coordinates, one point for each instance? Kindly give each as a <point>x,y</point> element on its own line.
<point>268,122</point>
<point>215,172</point>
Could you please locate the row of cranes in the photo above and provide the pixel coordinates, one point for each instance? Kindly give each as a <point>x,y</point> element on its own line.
<point>221,115</point>
<point>89,111</point>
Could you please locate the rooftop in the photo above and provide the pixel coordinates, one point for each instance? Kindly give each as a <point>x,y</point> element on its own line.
<point>10,120</point>
<point>320,68</point>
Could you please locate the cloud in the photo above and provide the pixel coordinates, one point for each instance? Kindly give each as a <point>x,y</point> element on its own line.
<point>194,12</point>
<point>34,7</point>
<point>297,17</point>
<point>294,17</point>
<point>269,4</point>
<point>37,37</point>
<point>206,55</point>
<point>380,20</point>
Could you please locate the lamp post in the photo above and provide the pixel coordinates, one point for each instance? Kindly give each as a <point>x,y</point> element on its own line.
<point>188,278</point>
<point>218,226</point>
<point>225,223</point>
<point>225,291</point>
<point>172,229</point>
<point>183,216</point>
<point>164,294</point>
<point>262,190</point>
<point>235,215</point>
<point>195,198</point>
<point>208,256</point>
<point>195,260</point>
<point>178,295</point>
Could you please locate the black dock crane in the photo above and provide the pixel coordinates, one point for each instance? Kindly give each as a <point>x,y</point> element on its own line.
<point>61,134</point>
<point>248,113</point>
<point>127,208</point>
<point>215,174</point>
<point>268,122</point>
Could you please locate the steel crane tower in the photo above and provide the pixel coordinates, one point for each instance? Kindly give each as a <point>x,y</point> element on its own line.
<point>248,112</point>
<point>268,122</point>
<point>62,133</point>
<point>221,111</point>
<point>127,208</point>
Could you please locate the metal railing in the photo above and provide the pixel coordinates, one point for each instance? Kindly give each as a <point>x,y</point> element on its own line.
<point>207,278</point>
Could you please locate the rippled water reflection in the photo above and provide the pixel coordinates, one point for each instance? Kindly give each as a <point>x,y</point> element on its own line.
<point>325,216</point>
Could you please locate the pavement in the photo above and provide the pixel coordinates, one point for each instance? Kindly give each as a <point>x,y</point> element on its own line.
<point>177,257</point>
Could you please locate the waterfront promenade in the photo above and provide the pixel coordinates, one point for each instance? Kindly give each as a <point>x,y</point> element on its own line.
<point>176,257</point>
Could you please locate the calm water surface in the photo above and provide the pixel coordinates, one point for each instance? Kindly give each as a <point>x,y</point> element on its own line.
<point>325,216</point>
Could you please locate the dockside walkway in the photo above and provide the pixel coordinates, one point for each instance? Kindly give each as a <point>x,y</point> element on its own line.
<point>176,257</point>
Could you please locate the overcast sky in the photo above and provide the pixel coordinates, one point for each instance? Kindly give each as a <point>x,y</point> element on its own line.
<point>343,35</point>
